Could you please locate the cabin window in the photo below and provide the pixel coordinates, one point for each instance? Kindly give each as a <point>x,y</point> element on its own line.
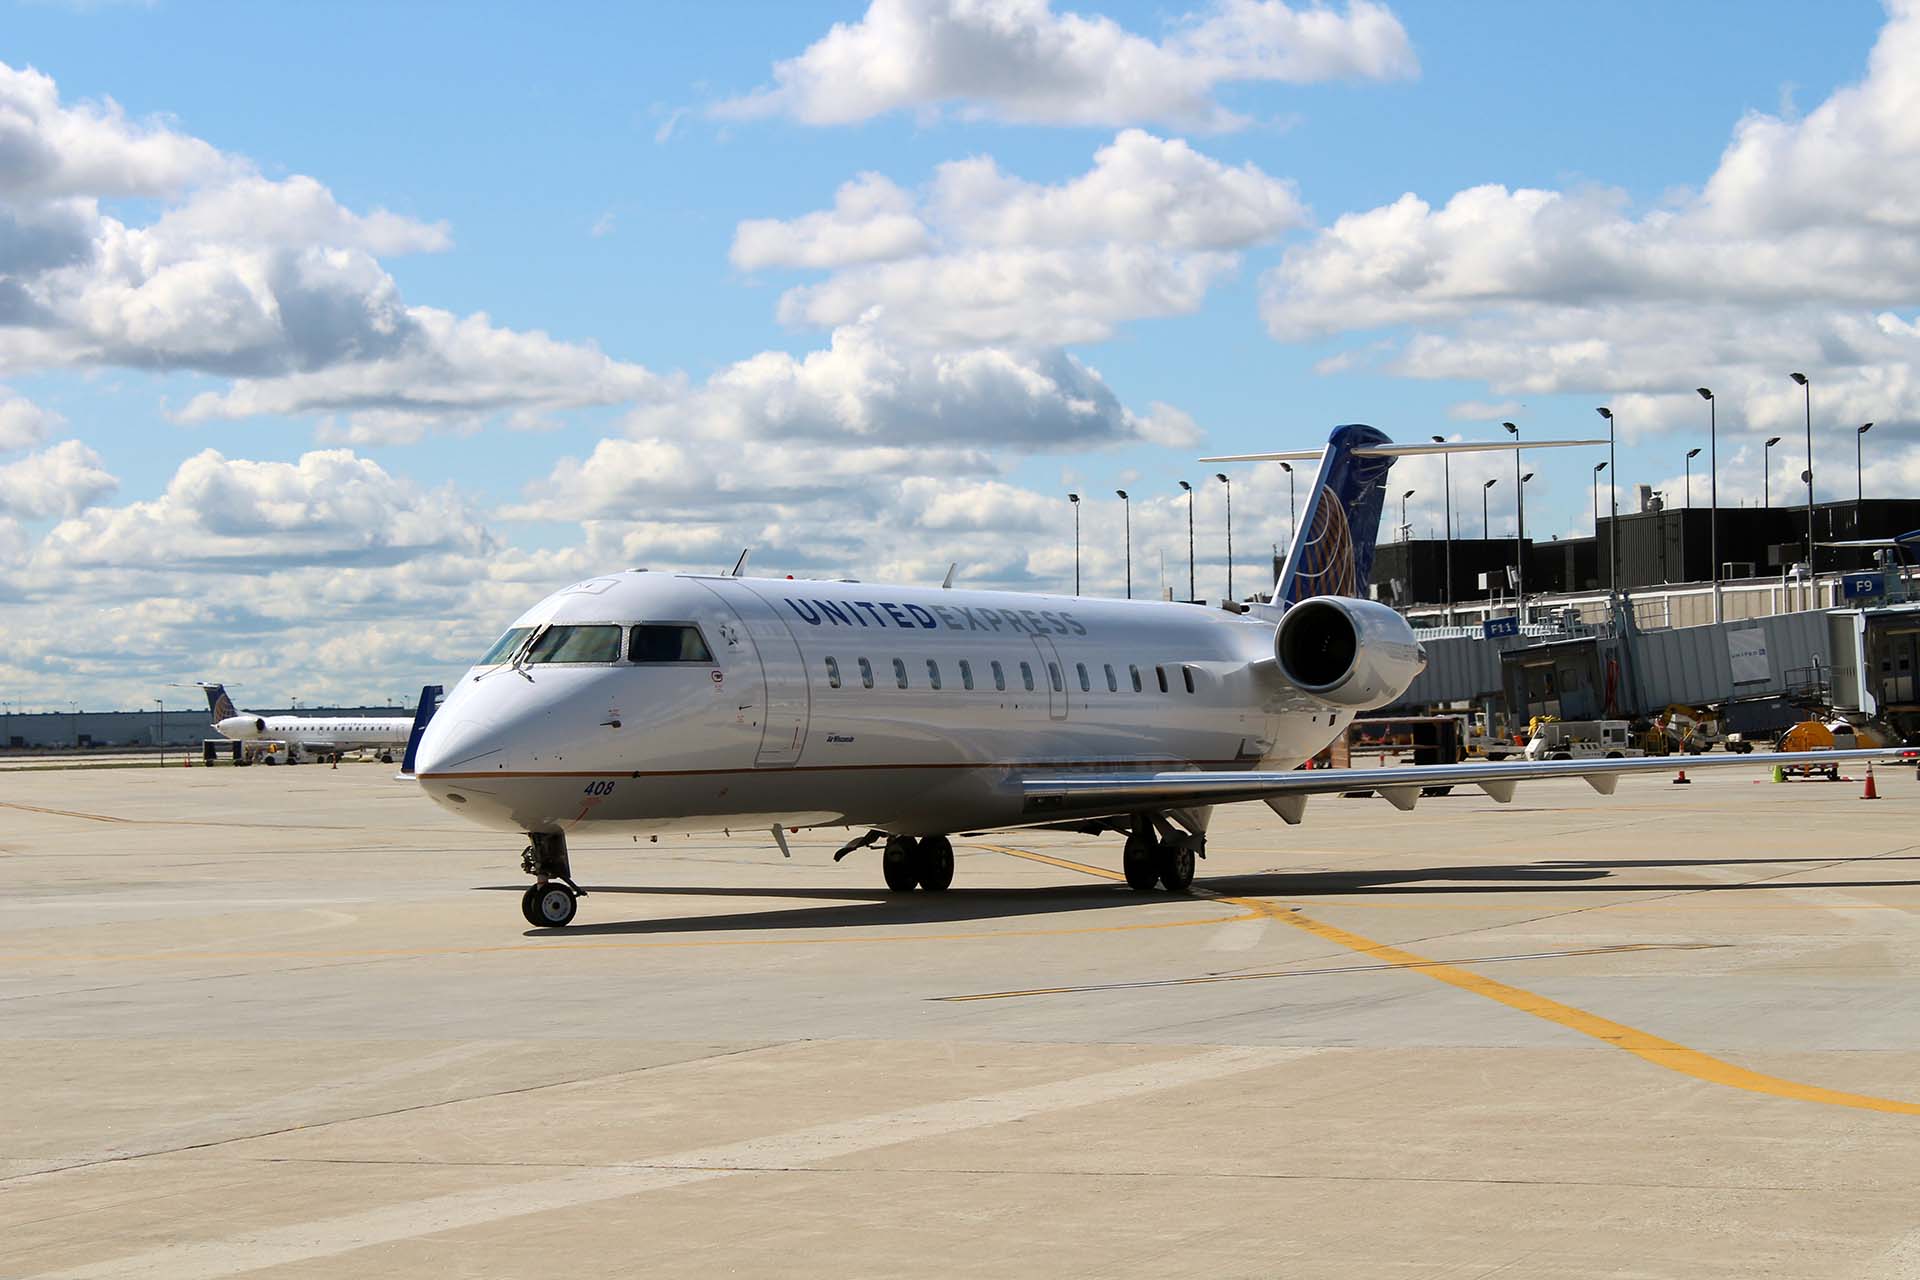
<point>900,673</point>
<point>1086,686</point>
<point>833,673</point>
<point>503,647</point>
<point>1135,671</point>
<point>933,673</point>
<point>866,674</point>
<point>1113,681</point>
<point>667,642</point>
<point>1053,674</point>
<point>1162,673</point>
<point>966,674</point>
<point>596,643</point>
<point>1186,673</point>
<point>1026,676</point>
<point>999,677</point>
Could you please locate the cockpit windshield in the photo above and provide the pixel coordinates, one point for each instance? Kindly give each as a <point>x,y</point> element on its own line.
<point>594,643</point>
<point>503,647</point>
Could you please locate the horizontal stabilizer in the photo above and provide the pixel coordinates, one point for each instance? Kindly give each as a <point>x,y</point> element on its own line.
<point>1407,450</point>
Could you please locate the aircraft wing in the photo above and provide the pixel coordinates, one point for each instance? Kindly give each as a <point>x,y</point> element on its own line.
<point>1287,793</point>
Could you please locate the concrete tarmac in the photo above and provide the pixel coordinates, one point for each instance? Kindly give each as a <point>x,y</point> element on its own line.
<point>290,1022</point>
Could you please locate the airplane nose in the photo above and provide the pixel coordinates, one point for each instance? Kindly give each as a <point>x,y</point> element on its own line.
<point>459,745</point>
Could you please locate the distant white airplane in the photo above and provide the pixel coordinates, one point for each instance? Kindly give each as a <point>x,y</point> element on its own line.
<point>312,735</point>
<point>653,703</point>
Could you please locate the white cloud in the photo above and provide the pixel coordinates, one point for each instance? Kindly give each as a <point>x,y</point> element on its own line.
<point>22,422</point>
<point>1798,252</point>
<point>985,257</point>
<point>441,370</point>
<point>49,151</point>
<point>61,481</point>
<point>330,508</point>
<point>870,219</point>
<point>1019,61</point>
<point>861,413</point>
<point>271,282</point>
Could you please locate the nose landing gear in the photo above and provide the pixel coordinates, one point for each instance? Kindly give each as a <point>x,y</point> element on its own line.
<point>551,900</point>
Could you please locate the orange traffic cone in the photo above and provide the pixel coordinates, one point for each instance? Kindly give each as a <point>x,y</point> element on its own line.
<point>1683,780</point>
<point>1872,792</point>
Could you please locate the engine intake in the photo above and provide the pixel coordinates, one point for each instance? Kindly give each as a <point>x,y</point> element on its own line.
<point>1347,652</point>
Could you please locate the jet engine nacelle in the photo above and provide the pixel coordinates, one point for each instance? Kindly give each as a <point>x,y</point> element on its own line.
<point>1347,652</point>
<point>241,727</point>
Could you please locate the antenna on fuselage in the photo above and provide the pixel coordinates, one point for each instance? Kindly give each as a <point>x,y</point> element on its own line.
<point>946,583</point>
<point>740,564</point>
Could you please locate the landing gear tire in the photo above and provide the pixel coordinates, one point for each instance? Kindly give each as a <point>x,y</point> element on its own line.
<point>1141,861</point>
<point>549,906</point>
<point>1176,865</point>
<point>899,863</point>
<point>934,862</point>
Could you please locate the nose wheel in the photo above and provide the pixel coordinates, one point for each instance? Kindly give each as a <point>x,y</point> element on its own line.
<point>551,900</point>
<point>548,906</point>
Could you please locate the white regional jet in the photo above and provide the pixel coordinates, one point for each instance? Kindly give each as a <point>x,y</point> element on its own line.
<point>311,735</point>
<point>654,702</point>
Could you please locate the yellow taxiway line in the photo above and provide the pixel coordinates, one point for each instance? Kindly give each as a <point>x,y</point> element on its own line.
<point>1657,1050</point>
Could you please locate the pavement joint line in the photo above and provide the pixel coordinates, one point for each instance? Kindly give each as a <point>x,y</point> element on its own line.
<point>122,1157</point>
<point>1202,979</point>
<point>330,1237</point>
<point>1657,1050</point>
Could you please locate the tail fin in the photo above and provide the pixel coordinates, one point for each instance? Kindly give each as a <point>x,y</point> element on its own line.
<point>218,703</point>
<point>429,703</point>
<point>1332,553</point>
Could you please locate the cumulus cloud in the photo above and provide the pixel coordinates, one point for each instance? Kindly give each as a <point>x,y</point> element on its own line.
<point>985,257</point>
<point>328,508</point>
<point>1798,252</point>
<point>22,422</point>
<point>1019,61</point>
<point>61,481</point>
<point>779,428</point>
<point>271,282</point>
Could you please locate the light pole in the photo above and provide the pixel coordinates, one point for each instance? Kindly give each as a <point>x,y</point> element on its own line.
<point>1406,530</point>
<point>1446,471</point>
<point>1293,531</point>
<point>1766,471</point>
<point>1074,499</point>
<point>1859,485</point>
<point>1221,476</point>
<point>1519,528</point>
<point>1807,387</point>
<point>1713,492</point>
<point>73,710</point>
<point>162,704</point>
<point>1192,594</point>
<point>1688,465</point>
<point>1598,467</point>
<point>1484,539</point>
<point>1126,505</point>
<point>1613,514</point>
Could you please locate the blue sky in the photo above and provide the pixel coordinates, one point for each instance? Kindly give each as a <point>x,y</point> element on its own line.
<point>579,175</point>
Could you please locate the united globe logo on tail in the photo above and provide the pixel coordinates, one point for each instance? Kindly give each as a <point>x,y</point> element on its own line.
<point>1333,554</point>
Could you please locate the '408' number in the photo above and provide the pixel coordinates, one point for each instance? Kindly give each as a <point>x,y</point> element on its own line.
<point>599,788</point>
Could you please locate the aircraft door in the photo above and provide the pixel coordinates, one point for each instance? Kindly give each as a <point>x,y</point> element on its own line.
<point>1055,674</point>
<point>783,683</point>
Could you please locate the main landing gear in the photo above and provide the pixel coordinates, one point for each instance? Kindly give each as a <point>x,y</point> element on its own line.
<point>553,897</point>
<point>926,863</point>
<point>1161,857</point>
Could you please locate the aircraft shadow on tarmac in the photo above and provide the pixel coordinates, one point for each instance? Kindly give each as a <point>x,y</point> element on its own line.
<point>862,906</point>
